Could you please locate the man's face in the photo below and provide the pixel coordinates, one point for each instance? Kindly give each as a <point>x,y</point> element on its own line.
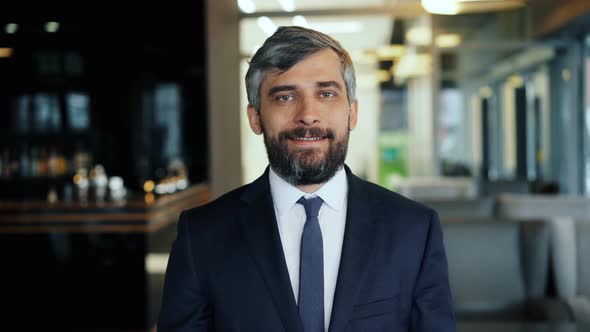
<point>305,118</point>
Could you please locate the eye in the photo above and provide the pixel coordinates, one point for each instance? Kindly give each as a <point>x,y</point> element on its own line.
<point>327,94</point>
<point>284,98</point>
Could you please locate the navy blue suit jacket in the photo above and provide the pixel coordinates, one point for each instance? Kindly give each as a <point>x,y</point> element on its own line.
<point>227,271</point>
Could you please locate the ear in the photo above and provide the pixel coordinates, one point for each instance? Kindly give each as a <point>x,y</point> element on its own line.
<point>254,119</point>
<point>353,118</point>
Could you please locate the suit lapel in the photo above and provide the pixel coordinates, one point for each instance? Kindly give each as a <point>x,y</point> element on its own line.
<point>260,230</point>
<point>357,247</point>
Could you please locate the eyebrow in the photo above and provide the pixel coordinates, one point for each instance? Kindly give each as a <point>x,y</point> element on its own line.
<point>281,88</point>
<point>324,84</point>
<point>328,84</point>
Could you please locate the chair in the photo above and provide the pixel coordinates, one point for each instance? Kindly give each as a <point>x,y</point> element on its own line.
<point>482,208</point>
<point>498,270</point>
<point>571,258</point>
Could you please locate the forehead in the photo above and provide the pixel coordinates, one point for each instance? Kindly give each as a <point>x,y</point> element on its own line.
<point>324,65</point>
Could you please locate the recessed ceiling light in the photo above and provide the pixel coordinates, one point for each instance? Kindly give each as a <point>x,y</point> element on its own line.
<point>52,27</point>
<point>421,36</point>
<point>390,52</point>
<point>566,74</point>
<point>448,40</point>
<point>444,7</point>
<point>299,20</point>
<point>413,65</point>
<point>486,92</point>
<point>383,75</point>
<point>452,7</point>
<point>11,28</point>
<point>516,81</point>
<point>247,6</point>
<point>287,5</point>
<point>267,25</point>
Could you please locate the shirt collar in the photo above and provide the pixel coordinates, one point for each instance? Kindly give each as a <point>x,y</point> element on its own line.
<point>285,195</point>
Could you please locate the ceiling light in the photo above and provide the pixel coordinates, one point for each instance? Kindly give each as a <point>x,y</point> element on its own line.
<point>247,6</point>
<point>299,20</point>
<point>52,27</point>
<point>287,5</point>
<point>412,65</point>
<point>566,74</point>
<point>11,28</point>
<point>5,52</point>
<point>452,7</point>
<point>266,25</point>
<point>486,92</point>
<point>515,81</point>
<point>479,6</point>
<point>390,52</point>
<point>339,27</point>
<point>448,40</point>
<point>421,36</point>
<point>365,57</point>
<point>383,75</point>
<point>443,7</point>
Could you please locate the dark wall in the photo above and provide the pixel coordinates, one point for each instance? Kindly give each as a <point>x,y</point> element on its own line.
<point>125,53</point>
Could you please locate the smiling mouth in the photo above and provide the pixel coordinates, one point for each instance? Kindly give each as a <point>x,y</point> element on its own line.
<point>308,139</point>
<point>307,136</point>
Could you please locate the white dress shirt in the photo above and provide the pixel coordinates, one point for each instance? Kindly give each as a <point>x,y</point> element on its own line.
<point>332,218</point>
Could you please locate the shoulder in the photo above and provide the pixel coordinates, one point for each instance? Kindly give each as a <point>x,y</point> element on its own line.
<point>213,220</point>
<point>217,208</point>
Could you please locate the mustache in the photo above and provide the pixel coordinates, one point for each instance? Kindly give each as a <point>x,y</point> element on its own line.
<point>306,132</point>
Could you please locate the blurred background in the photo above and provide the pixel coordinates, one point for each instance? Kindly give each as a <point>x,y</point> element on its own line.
<point>115,118</point>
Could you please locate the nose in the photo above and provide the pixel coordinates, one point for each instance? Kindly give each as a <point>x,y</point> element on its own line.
<point>307,112</point>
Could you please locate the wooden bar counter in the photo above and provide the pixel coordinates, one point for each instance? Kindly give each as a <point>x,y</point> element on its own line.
<point>82,267</point>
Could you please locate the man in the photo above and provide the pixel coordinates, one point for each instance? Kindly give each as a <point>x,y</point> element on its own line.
<point>308,246</point>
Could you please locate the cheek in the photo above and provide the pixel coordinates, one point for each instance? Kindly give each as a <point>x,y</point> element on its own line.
<point>341,124</point>
<point>274,125</point>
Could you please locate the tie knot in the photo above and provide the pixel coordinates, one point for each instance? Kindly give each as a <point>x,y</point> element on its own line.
<point>312,206</point>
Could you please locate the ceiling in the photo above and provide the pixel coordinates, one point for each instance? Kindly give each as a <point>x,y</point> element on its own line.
<point>305,5</point>
<point>376,26</point>
<point>374,17</point>
<point>372,31</point>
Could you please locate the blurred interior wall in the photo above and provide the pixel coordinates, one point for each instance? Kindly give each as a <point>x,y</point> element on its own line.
<point>254,158</point>
<point>422,93</point>
<point>363,153</point>
<point>223,58</point>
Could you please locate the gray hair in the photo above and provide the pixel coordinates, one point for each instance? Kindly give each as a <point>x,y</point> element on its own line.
<point>285,48</point>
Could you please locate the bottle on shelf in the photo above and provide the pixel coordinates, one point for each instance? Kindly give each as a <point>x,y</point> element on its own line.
<point>98,183</point>
<point>52,162</point>
<point>62,164</point>
<point>43,162</point>
<point>81,158</point>
<point>81,184</point>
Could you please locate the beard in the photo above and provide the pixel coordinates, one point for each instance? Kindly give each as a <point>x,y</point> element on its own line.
<point>303,167</point>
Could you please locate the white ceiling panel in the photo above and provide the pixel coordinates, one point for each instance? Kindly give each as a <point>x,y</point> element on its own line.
<point>353,32</point>
<point>274,5</point>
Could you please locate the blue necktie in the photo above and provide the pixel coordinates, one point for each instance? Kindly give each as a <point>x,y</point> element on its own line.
<point>311,269</point>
